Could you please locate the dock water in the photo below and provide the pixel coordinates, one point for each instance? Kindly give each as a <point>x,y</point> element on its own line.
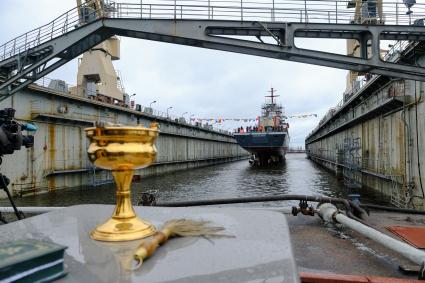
<point>298,175</point>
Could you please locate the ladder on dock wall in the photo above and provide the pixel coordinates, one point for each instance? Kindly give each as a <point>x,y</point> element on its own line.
<point>352,162</point>
<point>399,195</point>
<point>267,30</point>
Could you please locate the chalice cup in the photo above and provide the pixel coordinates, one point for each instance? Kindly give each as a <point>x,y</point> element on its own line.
<point>122,149</point>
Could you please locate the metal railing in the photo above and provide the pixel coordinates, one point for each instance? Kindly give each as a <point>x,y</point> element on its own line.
<point>396,49</point>
<point>79,91</point>
<point>82,92</point>
<point>59,165</point>
<point>320,11</point>
<point>59,26</point>
<point>21,189</point>
<point>396,89</point>
<point>312,11</point>
<point>381,166</point>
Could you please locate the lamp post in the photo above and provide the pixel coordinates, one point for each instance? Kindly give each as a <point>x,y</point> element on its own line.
<point>150,105</point>
<point>169,109</point>
<point>183,117</point>
<point>190,118</point>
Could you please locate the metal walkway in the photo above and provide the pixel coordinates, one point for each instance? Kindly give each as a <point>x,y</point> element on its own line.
<point>255,28</point>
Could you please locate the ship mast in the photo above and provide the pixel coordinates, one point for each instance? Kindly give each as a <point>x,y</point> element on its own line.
<point>272,91</point>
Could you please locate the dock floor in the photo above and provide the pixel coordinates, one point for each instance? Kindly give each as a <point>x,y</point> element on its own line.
<point>321,248</point>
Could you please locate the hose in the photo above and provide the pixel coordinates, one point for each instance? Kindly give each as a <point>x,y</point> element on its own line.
<point>353,210</point>
<point>330,213</point>
<point>394,209</point>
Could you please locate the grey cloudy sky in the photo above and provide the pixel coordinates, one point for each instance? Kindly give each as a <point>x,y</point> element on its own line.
<point>202,82</point>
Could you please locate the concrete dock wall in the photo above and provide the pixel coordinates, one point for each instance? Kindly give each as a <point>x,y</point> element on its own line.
<point>376,140</point>
<point>58,158</point>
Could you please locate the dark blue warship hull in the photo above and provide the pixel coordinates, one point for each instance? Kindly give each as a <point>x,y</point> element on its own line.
<point>266,148</point>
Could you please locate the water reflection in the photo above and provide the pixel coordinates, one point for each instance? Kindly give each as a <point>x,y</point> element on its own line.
<point>297,176</point>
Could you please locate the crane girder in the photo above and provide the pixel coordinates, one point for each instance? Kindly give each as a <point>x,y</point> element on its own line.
<point>243,37</point>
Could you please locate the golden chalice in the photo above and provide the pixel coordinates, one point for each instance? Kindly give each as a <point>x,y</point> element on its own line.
<point>122,149</point>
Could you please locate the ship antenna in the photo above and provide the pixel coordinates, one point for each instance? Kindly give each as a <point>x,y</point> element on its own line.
<point>272,91</point>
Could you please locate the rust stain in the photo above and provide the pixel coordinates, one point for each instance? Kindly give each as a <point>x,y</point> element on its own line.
<point>372,141</point>
<point>400,168</point>
<point>52,156</point>
<point>32,173</point>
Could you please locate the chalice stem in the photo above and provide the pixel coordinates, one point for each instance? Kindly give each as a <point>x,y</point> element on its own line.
<point>124,208</point>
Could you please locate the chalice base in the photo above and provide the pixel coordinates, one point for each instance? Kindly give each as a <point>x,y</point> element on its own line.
<point>123,229</point>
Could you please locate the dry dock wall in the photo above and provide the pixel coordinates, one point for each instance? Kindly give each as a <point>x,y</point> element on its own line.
<point>375,139</point>
<point>59,160</point>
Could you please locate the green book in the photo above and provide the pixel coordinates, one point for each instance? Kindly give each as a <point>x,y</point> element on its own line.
<point>31,261</point>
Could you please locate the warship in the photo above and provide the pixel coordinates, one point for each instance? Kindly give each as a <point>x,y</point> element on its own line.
<point>268,141</point>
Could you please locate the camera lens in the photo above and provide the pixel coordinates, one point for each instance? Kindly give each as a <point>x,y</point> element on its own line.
<point>28,141</point>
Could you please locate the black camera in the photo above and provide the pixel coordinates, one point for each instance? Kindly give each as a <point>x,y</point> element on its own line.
<point>11,137</point>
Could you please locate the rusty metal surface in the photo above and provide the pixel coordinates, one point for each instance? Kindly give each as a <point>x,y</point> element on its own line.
<point>59,160</point>
<point>342,278</point>
<point>414,235</point>
<point>392,149</point>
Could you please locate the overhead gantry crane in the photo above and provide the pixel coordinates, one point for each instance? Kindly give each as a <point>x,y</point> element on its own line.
<point>96,77</point>
<point>28,57</point>
<point>365,12</point>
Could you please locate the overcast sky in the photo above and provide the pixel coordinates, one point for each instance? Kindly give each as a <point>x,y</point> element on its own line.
<point>202,82</point>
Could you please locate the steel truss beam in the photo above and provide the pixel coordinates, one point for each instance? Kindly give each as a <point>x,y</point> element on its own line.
<point>29,66</point>
<point>211,34</point>
<point>25,68</point>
